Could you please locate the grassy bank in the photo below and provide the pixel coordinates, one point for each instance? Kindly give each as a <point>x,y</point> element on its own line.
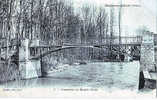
<point>8,73</point>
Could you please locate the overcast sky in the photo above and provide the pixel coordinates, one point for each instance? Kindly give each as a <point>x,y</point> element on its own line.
<point>132,17</point>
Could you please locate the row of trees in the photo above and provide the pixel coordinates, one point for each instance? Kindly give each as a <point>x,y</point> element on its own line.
<point>54,21</point>
<point>57,22</point>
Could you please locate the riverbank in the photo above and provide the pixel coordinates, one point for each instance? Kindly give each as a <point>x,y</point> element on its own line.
<point>8,73</point>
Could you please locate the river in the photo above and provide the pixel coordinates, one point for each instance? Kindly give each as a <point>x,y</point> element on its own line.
<point>94,75</point>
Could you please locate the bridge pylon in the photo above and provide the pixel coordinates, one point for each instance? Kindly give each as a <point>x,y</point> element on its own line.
<point>29,68</point>
<point>147,60</point>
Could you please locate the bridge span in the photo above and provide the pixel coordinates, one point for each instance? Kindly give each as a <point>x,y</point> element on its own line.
<point>30,66</point>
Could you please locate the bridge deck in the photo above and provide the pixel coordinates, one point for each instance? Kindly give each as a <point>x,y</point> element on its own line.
<point>83,45</point>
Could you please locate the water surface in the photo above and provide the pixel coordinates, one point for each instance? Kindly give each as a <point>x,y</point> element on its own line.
<point>94,75</point>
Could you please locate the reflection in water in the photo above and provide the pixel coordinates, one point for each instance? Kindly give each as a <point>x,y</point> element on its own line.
<point>97,75</point>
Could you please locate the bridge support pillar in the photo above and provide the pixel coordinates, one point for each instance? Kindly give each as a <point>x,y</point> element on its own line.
<point>28,68</point>
<point>147,60</point>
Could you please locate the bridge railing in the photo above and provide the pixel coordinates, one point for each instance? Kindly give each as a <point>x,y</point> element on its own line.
<point>114,40</point>
<point>131,40</point>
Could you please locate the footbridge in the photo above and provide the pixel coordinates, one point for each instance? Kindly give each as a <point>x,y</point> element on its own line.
<point>28,53</point>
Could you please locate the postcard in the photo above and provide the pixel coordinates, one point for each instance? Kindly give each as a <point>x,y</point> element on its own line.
<point>78,48</point>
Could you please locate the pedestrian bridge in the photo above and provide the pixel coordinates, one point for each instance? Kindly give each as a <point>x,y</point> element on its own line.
<point>30,52</point>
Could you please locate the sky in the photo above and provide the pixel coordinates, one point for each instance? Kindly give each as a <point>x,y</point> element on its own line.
<point>132,17</point>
